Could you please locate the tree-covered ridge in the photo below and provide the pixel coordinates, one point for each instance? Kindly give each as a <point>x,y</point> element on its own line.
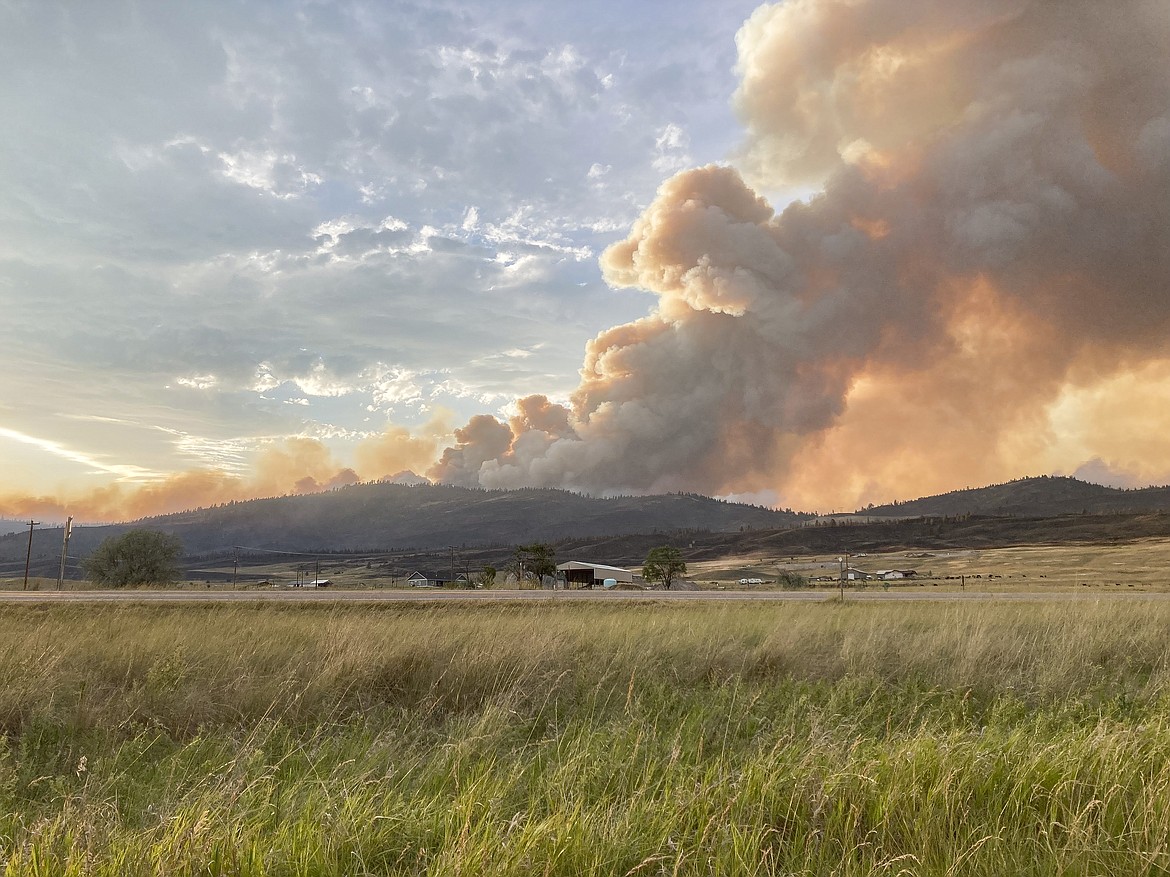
<point>1037,496</point>
<point>380,516</point>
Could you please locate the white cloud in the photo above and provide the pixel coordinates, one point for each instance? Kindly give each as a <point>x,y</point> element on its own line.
<point>229,455</point>
<point>123,472</point>
<point>393,387</point>
<point>198,382</point>
<point>670,150</point>
<point>277,175</point>
<point>264,380</point>
<point>325,207</point>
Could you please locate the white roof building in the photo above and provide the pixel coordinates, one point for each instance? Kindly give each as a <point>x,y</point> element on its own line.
<point>581,573</point>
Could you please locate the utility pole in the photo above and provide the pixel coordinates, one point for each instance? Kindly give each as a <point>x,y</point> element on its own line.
<point>236,566</point>
<point>28,557</point>
<point>64,551</point>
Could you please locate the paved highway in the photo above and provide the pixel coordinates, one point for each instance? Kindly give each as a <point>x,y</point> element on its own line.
<point>497,596</point>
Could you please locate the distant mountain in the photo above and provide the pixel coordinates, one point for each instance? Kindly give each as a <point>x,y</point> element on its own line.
<point>1045,496</point>
<point>432,519</point>
<point>391,517</point>
<point>8,526</point>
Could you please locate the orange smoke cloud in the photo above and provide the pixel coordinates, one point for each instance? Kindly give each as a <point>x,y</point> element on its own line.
<point>991,236</point>
<point>304,463</point>
<point>293,465</point>
<point>118,502</point>
<point>397,450</point>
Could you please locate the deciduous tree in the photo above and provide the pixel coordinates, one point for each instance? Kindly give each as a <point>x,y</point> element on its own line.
<point>137,557</point>
<point>663,564</point>
<point>538,559</point>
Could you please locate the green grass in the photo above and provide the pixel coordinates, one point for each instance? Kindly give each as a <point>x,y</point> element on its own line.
<point>579,739</point>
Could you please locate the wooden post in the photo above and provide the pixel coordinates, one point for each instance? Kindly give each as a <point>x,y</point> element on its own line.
<point>64,551</point>
<point>28,556</point>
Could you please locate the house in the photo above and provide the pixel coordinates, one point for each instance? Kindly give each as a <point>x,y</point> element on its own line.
<point>893,574</point>
<point>581,574</point>
<point>420,579</point>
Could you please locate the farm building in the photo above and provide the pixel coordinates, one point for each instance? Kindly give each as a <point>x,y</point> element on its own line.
<point>891,574</point>
<point>580,574</point>
<point>419,579</point>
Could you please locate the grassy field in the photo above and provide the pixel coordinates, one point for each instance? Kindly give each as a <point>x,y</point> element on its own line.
<point>1101,567</point>
<point>1141,565</point>
<point>626,740</point>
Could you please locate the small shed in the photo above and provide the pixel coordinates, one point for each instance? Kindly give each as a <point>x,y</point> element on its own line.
<point>582,574</point>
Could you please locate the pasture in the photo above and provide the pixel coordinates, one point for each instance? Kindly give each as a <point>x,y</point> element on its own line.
<point>1138,565</point>
<point>626,739</point>
<point>1085,567</point>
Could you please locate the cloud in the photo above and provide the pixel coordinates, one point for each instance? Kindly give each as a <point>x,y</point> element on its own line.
<point>670,149</point>
<point>123,472</point>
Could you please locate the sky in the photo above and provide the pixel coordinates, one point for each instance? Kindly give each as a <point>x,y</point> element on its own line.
<point>816,253</point>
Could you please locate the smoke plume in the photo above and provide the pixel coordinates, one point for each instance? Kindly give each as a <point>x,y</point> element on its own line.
<point>989,246</point>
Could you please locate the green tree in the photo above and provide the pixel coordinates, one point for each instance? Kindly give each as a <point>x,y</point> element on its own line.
<point>487,578</point>
<point>137,557</point>
<point>791,580</point>
<point>538,559</point>
<point>663,564</point>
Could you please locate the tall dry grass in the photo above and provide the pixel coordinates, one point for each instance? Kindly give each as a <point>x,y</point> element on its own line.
<point>578,739</point>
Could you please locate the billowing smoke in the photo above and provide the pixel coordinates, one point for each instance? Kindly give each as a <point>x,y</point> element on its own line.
<point>398,450</point>
<point>990,242</point>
